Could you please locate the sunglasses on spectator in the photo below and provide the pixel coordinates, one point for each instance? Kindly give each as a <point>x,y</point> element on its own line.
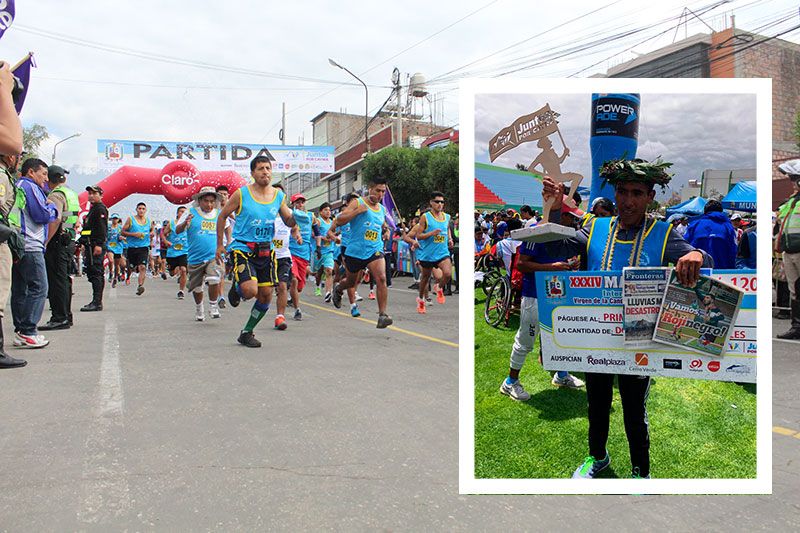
<point>438,201</point>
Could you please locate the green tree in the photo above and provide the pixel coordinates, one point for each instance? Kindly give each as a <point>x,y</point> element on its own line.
<point>413,173</point>
<point>32,138</point>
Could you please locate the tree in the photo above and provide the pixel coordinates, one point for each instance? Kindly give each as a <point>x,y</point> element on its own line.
<point>412,173</point>
<point>32,138</point>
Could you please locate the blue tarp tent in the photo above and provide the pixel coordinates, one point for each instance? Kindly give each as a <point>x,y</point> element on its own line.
<point>741,198</point>
<point>693,206</point>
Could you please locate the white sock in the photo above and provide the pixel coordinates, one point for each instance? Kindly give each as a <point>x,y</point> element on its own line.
<point>353,306</point>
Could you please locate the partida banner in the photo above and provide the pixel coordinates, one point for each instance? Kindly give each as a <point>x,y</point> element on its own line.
<point>581,317</point>
<point>113,154</point>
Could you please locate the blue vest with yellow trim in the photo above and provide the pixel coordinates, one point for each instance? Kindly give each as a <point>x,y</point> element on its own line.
<point>652,248</point>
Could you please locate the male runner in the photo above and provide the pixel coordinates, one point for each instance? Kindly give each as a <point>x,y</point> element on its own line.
<point>341,271</point>
<point>254,265</point>
<point>137,230</point>
<point>300,249</point>
<point>223,195</point>
<point>198,227</point>
<point>326,246</point>
<point>115,249</point>
<point>280,241</point>
<point>434,241</point>
<point>177,257</point>
<point>367,217</point>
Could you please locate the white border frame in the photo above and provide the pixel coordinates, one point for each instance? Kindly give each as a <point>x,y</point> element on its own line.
<point>762,484</point>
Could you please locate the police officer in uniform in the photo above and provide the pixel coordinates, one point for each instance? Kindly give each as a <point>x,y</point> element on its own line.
<point>60,249</point>
<point>788,243</point>
<point>94,235</point>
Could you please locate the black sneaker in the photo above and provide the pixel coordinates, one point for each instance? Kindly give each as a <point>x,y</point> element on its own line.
<point>384,320</point>
<point>247,338</point>
<point>140,290</point>
<point>414,285</point>
<point>233,297</point>
<point>337,297</point>
<point>222,303</point>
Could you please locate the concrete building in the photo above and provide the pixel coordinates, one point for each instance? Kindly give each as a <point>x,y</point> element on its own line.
<point>736,53</point>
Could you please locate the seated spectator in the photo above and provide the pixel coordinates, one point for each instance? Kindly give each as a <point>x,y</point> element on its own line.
<point>713,233</point>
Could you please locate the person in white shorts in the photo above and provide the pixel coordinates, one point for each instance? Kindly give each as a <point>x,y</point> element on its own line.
<point>280,243</point>
<point>200,224</point>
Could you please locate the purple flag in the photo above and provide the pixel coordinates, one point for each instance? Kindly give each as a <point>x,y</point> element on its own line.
<point>391,210</point>
<point>23,72</point>
<point>6,15</point>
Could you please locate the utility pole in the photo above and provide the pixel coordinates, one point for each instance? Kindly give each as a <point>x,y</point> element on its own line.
<point>283,123</point>
<point>398,108</point>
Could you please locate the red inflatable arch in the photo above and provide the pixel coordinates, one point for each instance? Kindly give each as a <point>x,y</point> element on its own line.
<point>177,182</point>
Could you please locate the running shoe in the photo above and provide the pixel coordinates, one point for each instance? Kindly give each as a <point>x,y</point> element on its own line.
<point>570,381</point>
<point>280,323</point>
<point>384,320</point>
<point>515,391</point>
<point>371,295</point>
<point>140,290</point>
<point>233,297</point>
<point>591,467</point>
<point>637,474</point>
<point>354,312</point>
<point>317,291</point>
<point>439,295</point>
<point>420,306</point>
<point>428,298</point>
<point>247,338</point>
<point>127,281</point>
<point>359,298</point>
<point>221,302</point>
<point>213,309</point>
<point>298,315</point>
<point>327,297</point>
<point>199,313</point>
<point>337,297</point>
<point>30,341</point>
<point>164,275</point>
<point>114,283</point>
<point>180,295</point>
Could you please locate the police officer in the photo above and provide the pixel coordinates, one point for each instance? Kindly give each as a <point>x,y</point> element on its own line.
<point>60,249</point>
<point>9,237</point>
<point>94,235</point>
<point>788,242</point>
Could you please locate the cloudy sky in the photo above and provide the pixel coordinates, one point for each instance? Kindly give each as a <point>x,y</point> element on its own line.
<point>695,132</point>
<point>219,71</point>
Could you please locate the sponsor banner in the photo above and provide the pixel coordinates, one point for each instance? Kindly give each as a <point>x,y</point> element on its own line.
<point>112,154</point>
<point>581,317</point>
<point>526,128</point>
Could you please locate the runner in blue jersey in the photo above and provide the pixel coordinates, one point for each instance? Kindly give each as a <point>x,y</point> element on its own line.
<point>339,271</point>
<point>326,246</point>
<point>177,246</point>
<point>199,227</point>
<point>300,249</point>
<point>254,264</point>
<point>432,236</point>
<point>137,230</point>
<point>115,249</point>
<point>367,217</point>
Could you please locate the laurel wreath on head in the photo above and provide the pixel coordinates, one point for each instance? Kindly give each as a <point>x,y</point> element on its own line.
<point>617,170</point>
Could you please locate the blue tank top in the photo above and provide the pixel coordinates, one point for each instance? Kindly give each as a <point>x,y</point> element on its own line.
<point>144,229</point>
<point>345,234</point>
<point>650,252</point>
<point>114,244</point>
<point>330,247</point>
<point>304,220</point>
<point>365,232</point>
<point>178,240</point>
<point>255,221</point>
<point>434,248</point>
<point>202,236</point>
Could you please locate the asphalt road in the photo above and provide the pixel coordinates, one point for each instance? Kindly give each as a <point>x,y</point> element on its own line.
<point>141,418</point>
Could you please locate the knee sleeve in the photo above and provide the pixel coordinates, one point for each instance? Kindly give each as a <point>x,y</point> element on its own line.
<point>198,290</point>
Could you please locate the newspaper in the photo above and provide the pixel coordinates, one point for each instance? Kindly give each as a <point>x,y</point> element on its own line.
<point>698,318</point>
<point>642,292</point>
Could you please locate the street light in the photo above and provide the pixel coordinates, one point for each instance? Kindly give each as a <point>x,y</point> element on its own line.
<point>366,104</point>
<point>61,141</point>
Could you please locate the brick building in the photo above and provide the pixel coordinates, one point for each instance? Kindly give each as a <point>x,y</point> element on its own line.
<point>735,53</point>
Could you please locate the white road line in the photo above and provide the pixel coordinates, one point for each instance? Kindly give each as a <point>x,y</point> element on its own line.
<point>105,481</point>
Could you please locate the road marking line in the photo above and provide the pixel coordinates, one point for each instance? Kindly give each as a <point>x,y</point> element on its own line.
<point>105,480</point>
<point>393,328</point>
<point>785,431</point>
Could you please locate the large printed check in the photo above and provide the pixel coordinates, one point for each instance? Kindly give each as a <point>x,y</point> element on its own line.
<point>580,315</point>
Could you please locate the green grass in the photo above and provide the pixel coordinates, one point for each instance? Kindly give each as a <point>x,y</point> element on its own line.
<point>695,430</point>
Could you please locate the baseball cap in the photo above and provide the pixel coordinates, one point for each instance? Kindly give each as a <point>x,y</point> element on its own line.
<point>568,206</point>
<point>736,216</point>
<point>298,196</point>
<point>208,189</point>
<point>53,171</point>
<point>115,215</point>
<point>95,188</point>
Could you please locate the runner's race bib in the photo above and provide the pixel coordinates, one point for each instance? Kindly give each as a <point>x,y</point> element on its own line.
<point>371,235</point>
